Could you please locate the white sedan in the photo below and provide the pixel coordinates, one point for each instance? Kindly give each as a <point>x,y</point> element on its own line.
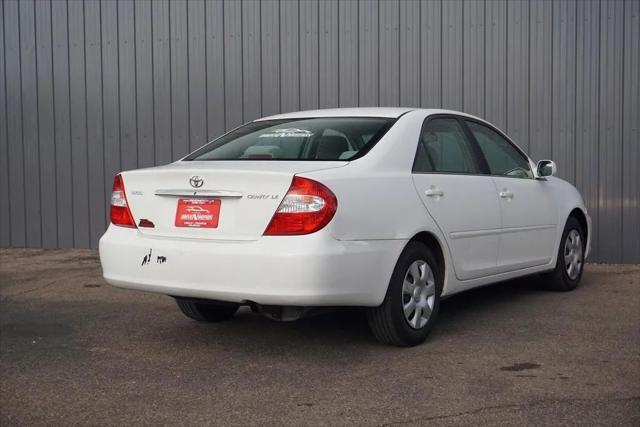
<point>386,208</point>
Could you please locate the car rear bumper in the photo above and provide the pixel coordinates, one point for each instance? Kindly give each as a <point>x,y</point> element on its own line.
<point>312,270</point>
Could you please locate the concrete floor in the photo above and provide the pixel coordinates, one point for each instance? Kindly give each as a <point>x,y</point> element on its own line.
<point>74,350</point>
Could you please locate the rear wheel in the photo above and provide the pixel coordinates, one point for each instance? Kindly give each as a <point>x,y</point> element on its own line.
<point>411,304</point>
<point>568,272</point>
<point>206,311</point>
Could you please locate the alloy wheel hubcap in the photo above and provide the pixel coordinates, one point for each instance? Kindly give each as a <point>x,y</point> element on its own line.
<point>573,254</point>
<point>418,294</point>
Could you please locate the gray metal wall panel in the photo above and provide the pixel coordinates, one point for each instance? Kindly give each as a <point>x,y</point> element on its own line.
<point>410,53</point>
<point>517,90</point>
<point>289,56</point>
<point>631,134</point>
<point>127,85</point>
<point>390,51</point>
<point>5,218</point>
<point>587,112</point>
<point>110,98</point>
<point>46,126</point>
<point>540,111</point>
<point>347,53</point>
<point>95,143</point>
<point>610,135</point>
<point>474,57</point>
<point>563,88</point>
<point>309,75</point>
<point>214,22</point>
<point>30,143</point>
<point>14,123</point>
<point>144,83</point>
<point>73,230</point>
<point>452,59</point>
<point>92,87</point>
<point>61,135</point>
<point>328,53</point>
<point>495,100</point>
<point>162,100</point>
<point>270,56</point>
<point>251,67</point>
<point>197,83</point>
<point>431,53</point>
<point>368,54</point>
<point>179,48</point>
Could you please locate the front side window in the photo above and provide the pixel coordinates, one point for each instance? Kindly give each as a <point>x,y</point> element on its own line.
<point>502,157</point>
<point>444,148</point>
<point>322,138</point>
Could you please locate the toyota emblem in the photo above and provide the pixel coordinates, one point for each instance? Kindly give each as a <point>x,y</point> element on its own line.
<point>196,181</point>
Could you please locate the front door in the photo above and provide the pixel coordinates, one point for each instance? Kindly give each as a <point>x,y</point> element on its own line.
<point>529,216</point>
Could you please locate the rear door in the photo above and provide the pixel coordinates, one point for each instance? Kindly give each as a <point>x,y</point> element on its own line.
<point>529,215</point>
<point>458,196</point>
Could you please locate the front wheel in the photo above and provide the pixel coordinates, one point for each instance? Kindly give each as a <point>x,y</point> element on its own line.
<point>206,311</point>
<point>411,304</point>
<point>568,272</point>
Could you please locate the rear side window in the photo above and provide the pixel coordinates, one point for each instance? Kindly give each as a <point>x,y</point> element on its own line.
<point>502,157</point>
<point>444,148</point>
<point>323,138</point>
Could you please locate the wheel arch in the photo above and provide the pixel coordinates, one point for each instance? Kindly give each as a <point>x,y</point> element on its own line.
<point>578,214</point>
<point>433,243</point>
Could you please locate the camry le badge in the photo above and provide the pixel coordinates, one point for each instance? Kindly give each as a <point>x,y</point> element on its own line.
<point>196,181</point>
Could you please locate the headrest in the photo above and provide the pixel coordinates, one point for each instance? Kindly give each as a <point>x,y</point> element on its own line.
<point>429,136</point>
<point>271,151</point>
<point>331,146</point>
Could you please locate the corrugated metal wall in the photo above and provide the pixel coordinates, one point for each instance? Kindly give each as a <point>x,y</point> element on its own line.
<point>91,88</point>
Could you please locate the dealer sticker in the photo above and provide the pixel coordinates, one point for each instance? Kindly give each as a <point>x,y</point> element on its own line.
<point>198,213</point>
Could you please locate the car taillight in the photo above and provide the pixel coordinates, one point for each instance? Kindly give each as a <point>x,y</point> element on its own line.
<point>307,207</point>
<point>120,213</point>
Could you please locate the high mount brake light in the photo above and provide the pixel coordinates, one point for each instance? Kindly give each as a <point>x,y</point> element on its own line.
<point>307,207</point>
<point>120,213</point>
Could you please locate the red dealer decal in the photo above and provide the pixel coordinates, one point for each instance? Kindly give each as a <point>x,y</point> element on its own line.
<point>198,213</point>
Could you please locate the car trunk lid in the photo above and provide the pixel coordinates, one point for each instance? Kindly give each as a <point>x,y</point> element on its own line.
<point>216,200</point>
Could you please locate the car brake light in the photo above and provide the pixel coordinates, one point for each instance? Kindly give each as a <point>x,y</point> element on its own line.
<point>120,213</point>
<point>307,207</point>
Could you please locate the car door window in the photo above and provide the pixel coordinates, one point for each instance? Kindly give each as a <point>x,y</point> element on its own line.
<point>502,157</point>
<point>444,148</point>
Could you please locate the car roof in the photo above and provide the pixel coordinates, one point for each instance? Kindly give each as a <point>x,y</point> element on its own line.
<point>390,112</point>
<point>393,112</point>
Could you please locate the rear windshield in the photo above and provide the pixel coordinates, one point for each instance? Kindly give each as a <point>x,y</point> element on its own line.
<point>325,138</point>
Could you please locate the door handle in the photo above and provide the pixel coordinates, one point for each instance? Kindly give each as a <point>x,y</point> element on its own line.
<point>506,194</point>
<point>434,192</point>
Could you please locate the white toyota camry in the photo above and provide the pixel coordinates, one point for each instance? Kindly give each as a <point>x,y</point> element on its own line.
<point>386,208</point>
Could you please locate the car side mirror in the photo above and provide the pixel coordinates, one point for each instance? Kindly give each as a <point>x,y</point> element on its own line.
<point>547,168</point>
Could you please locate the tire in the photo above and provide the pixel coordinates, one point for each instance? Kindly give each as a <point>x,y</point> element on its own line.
<point>205,311</point>
<point>388,322</point>
<point>563,278</point>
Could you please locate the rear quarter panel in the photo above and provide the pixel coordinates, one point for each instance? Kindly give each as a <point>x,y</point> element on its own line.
<point>376,196</point>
